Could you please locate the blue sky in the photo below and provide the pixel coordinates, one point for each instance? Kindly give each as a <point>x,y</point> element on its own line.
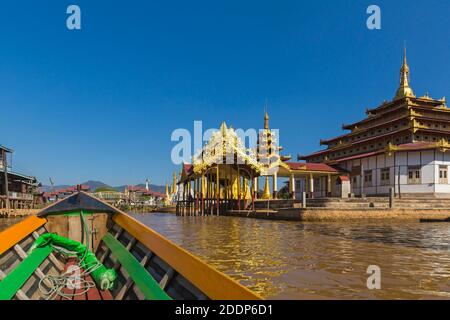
<point>101,103</point>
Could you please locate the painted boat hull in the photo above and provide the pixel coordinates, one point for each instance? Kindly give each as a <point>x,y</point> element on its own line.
<point>180,274</point>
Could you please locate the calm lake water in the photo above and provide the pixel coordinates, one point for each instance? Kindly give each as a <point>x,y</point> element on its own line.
<point>5,223</point>
<point>294,260</point>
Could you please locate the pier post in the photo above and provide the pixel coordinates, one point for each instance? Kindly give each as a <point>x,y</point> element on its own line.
<point>275,186</point>
<point>391,197</point>
<point>217,189</point>
<point>253,200</point>
<point>239,188</point>
<point>5,178</point>
<point>303,199</point>
<point>292,186</point>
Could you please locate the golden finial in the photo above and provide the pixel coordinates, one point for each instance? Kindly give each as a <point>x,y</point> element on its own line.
<point>266,121</point>
<point>223,129</point>
<point>266,117</point>
<point>174,183</point>
<point>404,90</point>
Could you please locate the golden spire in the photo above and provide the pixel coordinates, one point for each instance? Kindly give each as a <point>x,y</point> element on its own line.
<point>167,189</point>
<point>266,121</point>
<point>174,183</point>
<point>404,90</point>
<point>223,129</point>
<point>266,117</point>
<point>266,194</point>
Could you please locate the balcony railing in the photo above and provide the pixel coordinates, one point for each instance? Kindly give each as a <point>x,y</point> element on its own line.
<point>20,196</point>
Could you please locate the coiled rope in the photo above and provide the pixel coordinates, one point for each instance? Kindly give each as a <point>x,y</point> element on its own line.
<point>71,278</point>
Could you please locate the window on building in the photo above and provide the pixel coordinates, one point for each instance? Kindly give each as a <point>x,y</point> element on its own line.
<point>414,175</point>
<point>367,178</point>
<point>443,172</point>
<point>385,177</point>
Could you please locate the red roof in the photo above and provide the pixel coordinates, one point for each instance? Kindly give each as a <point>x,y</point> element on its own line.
<point>145,191</point>
<point>311,167</point>
<point>417,146</point>
<point>66,190</point>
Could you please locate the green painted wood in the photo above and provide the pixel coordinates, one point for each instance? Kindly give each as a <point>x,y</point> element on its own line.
<point>17,278</point>
<point>144,281</point>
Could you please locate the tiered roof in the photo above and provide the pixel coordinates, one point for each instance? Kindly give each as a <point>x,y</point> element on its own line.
<point>405,120</point>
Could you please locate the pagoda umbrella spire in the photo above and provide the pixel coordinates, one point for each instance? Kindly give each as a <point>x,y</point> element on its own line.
<point>266,121</point>
<point>404,90</point>
<point>266,117</point>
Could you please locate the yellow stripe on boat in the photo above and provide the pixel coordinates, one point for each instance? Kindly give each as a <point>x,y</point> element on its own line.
<point>14,234</point>
<point>213,283</point>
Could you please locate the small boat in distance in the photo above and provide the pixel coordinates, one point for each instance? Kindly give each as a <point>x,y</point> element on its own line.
<point>148,266</point>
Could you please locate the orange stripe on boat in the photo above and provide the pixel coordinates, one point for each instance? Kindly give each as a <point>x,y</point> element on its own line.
<point>16,233</point>
<point>213,283</point>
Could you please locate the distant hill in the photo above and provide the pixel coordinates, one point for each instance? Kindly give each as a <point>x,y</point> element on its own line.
<point>93,185</point>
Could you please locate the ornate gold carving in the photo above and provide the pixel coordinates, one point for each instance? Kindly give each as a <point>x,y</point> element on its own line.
<point>391,149</point>
<point>442,145</point>
<point>414,113</point>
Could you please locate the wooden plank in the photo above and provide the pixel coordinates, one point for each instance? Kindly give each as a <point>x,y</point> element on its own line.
<point>66,290</point>
<point>107,250</point>
<point>58,264</point>
<point>167,277</point>
<point>207,279</point>
<point>129,246</point>
<point>16,278</point>
<point>143,280</point>
<point>130,282</point>
<point>93,293</point>
<point>20,294</point>
<point>23,255</point>
<point>106,294</point>
<point>16,233</point>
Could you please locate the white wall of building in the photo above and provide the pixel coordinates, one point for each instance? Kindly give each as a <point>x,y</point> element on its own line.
<point>429,162</point>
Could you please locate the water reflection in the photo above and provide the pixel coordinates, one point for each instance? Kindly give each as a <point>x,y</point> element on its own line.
<point>294,260</point>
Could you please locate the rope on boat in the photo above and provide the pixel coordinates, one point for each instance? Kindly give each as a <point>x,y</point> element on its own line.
<point>58,283</point>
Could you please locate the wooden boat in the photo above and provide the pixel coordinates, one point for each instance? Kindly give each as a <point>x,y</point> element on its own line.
<point>148,265</point>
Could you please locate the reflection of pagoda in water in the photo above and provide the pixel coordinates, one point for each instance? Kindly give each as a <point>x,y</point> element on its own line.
<point>402,144</point>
